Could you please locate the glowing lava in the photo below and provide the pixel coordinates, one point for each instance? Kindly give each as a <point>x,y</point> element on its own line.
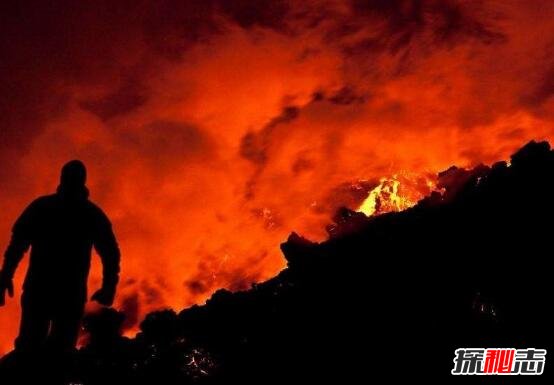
<point>396,193</point>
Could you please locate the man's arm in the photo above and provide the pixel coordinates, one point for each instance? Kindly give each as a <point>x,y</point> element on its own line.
<point>19,244</point>
<point>106,246</point>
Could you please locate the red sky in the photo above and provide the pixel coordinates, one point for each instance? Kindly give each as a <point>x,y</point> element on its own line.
<point>213,129</point>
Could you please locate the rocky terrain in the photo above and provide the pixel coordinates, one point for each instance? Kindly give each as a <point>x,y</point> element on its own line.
<point>390,297</point>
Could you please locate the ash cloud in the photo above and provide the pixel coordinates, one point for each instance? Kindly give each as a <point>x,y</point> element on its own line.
<point>128,97</point>
<point>130,307</point>
<point>254,145</point>
<point>162,142</point>
<point>214,128</point>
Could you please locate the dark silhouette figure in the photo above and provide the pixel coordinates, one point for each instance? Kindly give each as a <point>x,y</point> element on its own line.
<point>393,295</point>
<point>61,230</point>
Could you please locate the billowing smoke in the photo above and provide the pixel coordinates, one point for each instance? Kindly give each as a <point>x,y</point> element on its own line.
<point>212,129</point>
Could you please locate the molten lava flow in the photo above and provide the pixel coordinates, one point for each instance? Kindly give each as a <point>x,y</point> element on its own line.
<point>393,195</point>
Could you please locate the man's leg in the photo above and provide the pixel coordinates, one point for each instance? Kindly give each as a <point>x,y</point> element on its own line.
<point>66,324</point>
<point>34,325</point>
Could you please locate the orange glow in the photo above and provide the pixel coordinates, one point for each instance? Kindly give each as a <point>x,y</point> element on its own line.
<point>207,148</point>
<point>392,195</point>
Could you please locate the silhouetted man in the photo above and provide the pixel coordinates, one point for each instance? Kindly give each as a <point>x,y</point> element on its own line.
<point>61,230</point>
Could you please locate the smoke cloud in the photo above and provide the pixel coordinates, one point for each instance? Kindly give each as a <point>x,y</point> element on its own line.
<point>213,129</point>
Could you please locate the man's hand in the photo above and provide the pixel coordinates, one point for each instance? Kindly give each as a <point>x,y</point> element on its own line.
<point>104,297</point>
<point>6,284</point>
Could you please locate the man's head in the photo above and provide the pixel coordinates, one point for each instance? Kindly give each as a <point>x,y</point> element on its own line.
<point>74,174</point>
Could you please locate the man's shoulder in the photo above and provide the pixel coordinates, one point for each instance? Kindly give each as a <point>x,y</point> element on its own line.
<point>96,211</point>
<point>39,206</point>
<point>43,200</point>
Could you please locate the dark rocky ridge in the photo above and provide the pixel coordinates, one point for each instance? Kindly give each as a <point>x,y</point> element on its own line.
<point>386,299</point>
